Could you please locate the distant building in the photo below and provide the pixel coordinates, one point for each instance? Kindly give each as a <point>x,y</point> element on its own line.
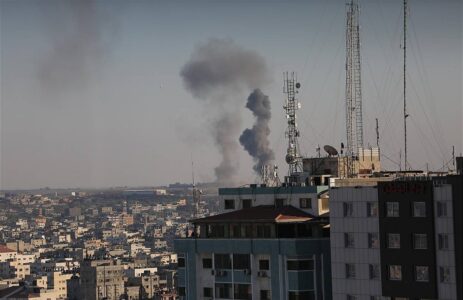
<point>102,279</point>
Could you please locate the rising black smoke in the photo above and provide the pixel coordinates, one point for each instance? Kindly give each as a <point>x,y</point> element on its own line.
<point>219,72</point>
<point>80,37</point>
<point>255,140</point>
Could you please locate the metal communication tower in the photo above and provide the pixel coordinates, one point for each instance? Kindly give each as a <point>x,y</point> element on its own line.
<point>196,194</point>
<point>290,88</point>
<point>354,122</point>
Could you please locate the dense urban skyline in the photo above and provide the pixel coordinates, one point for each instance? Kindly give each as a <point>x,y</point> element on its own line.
<point>92,95</point>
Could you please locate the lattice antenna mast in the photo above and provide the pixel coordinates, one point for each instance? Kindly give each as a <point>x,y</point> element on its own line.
<point>290,88</point>
<point>354,122</point>
<point>196,193</point>
<point>405,84</point>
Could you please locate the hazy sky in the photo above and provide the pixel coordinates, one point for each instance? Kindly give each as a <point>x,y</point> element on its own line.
<point>91,92</point>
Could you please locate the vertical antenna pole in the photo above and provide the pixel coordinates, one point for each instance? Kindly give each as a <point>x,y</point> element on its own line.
<point>453,158</point>
<point>405,84</point>
<point>377,133</point>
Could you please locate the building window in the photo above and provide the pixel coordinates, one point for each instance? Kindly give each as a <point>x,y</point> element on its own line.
<point>305,203</point>
<point>181,262</point>
<point>420,241</point>
<point>393,240</point>
<point>372,209</point>
<point>374,271</point>
<point>349,241</point>
<point>279,202</point>
<point>207,263</point>
<point>247,203</point>
<point>422,273</point>
<point>444,274</point>
<point>265,295</point>
<point>419,209</point>
<point>207,292</point>
<point>348,209</point>
<point>350,271</point>
<point>216,231</point>
<point>229,204</point>
<point>181,291</point>
<point>373,240</point>
<point>223,290</point>
<point>241,261</point>
<point>395,272</point>
<point>242,291</point>
<point>443,241</point>
<point>246,231</point>
<point>222,261</point>
<point>299,295</point>
<point>300,265</point>
<point>264,264</point>
<point>392,209</point>
<point>264,231</point>
<point>441,209</point>
<point>235,230</point>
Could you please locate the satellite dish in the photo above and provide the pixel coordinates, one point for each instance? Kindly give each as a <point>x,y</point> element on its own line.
<point>330,150</point>
<point>298,85</point>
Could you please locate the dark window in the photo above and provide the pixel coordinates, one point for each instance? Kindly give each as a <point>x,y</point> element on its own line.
<point>264,231</point>
<point>350,271</point>
<point>393,240</point>
<point>181,291</point>
<point>443,241</point>
<point>207,291</point>
<point>217,231</point>
<point>395,272</point>
<point>305,295</point>
<point>243,291</point>
<point>207,263</point>
<point>305,202</point>
<point>349,240</point>
<point>374,271</point>
<point>279,202</point>
<point>241,261</point>
<point>229,204</point>
<point>246,231</point>
<point>373,240</point>
<point>420,241</point>
<point>181,262</point>
<point>419,209</point>
<point>223,290</point>
<point>441,209</point>
<point>235,230</point>
<point>444,274</point>
<point>392,209</point>
<point>264,264</point>
<point>222,261</point>
<point>372,209</point>
<point>348,209</point>
<point>300,265</point>
<point>422,273</point>
<point>265,295</point>
<point>247,203</point>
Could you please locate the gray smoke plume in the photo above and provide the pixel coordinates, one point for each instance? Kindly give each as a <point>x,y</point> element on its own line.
<point>255,140</point>
<point>219,72</point>
<point>80,35</point>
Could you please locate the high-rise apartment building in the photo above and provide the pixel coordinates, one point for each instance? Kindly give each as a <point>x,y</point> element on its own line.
<point>398,240</point>
<point>101,279</point>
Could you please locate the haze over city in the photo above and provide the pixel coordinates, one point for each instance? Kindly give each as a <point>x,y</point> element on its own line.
<point>98,94</point>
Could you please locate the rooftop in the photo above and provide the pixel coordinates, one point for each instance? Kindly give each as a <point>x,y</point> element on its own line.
<point>261,213</point>
<point>5,249</point>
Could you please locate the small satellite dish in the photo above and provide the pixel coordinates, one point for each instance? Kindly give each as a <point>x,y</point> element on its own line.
<point>298,85</point>
<point>330,150</point>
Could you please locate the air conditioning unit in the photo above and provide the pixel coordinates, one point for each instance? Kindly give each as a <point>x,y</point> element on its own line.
<point>262,274</point>
<point>247,271</point>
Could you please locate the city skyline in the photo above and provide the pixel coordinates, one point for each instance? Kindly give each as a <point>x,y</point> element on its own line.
<point>92,93</point>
